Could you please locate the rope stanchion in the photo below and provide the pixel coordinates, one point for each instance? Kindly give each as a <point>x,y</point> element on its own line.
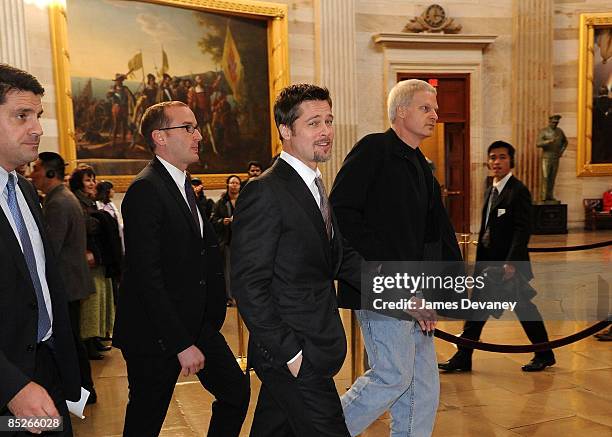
<point>570,248</point>
<point>513,348</point>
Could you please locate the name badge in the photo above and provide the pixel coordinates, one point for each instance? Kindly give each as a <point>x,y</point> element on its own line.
<point>500,212</point>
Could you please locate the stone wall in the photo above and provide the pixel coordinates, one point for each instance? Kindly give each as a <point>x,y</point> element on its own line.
<point>373,16</point>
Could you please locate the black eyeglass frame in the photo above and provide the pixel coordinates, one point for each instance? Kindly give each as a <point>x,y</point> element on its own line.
<point>187,127</point>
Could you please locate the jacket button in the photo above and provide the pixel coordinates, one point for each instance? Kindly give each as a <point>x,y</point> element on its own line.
<point>30,348</point>
<point>202,282</point>
<point>33,305</point>
<point>203,252</point>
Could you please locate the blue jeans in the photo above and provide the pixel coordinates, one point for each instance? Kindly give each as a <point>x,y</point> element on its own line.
<point>403,378</point>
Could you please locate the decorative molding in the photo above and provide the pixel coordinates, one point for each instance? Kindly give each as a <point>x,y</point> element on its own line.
<point>241,7</point>
<point>13,34</point>
<point>433,41</point>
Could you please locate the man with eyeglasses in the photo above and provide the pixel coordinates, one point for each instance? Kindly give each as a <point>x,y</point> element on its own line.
<point>389,208</point>
<point>172,299</point>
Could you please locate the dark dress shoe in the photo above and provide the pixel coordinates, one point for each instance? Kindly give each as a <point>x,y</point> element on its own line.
<point>538,364</point>
<point>101,347</point>
<point>92,351</point>
<point>605,337</point>
<point>456,364</point>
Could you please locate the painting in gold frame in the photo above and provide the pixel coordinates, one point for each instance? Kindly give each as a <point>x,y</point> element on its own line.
<point>594,157</point>
<point>238,62</point>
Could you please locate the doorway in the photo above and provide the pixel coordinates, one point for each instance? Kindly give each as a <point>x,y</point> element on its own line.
<point>449,147</point>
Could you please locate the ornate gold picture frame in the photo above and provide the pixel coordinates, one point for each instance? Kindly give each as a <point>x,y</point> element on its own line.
<point>594,154</point>
<point>237,80</point>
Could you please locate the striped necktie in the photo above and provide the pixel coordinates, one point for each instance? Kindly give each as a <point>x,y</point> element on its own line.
<point>325,210</point>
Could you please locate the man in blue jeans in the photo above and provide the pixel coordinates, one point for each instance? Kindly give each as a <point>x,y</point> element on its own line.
<point>389,208</point>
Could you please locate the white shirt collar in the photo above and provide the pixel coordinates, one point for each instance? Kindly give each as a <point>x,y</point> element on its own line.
<point>502,183</point>
<point>177,174</point>
<point>4,178</point>
<point>305,172</point>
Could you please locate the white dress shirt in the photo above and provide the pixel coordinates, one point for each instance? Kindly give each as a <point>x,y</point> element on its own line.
<point>33,232</point>
<point>179,176</point>
<point>500,186</point>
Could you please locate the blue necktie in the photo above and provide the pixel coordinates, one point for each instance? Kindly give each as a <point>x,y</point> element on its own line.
<point>44,322</point>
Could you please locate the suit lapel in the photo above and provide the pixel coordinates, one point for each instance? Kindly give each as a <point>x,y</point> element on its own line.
<point>11,239</point>
<point>298,189</point>
<point>175,194</point>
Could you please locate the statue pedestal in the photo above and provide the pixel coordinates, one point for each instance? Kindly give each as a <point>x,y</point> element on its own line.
<point>548,218</point>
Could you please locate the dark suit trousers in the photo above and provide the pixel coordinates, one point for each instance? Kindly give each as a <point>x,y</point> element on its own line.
<point>152,378</point>
<point>531,320</point>
<point>74,311</point>
<point>305,406</point>
<point>46,374</point>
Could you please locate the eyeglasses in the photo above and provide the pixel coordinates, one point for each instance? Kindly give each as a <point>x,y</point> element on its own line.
<point>189,128</point>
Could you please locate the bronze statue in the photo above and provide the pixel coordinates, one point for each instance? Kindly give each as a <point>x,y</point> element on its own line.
<point>553,142</point>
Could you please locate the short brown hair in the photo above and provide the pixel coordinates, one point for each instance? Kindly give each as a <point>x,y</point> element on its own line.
<point>155,118</point>
<point>287,104</point>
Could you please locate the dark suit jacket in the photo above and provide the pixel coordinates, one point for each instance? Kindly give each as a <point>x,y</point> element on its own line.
<point>18,306</point>
<point>173,291</point>
<point>510,230</point>
<point>381,212</point>
<point>283,268</point>
<point>68,238</point>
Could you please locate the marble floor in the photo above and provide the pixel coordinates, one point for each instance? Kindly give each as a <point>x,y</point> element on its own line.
<point>496,399</point>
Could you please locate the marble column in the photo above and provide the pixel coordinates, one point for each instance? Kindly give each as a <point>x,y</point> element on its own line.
<point>335,63</point>
<point>532,83</point>
<point>13,40</point>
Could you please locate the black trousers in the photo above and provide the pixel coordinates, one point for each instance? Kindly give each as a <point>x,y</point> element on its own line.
<point>305,406</point>
<point>46,374</point>
<point>74,311</point>
<point>152,378</point>
<point>531,320</point>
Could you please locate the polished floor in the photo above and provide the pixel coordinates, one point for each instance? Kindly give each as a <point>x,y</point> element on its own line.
<point>573,398</point>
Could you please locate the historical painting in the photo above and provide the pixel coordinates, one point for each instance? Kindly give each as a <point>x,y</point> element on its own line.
<point>128,55</point>
<point>595,100</point>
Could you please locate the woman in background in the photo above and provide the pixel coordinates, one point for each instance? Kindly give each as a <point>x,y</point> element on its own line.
<point>97,311</point>
<point>222,217</point>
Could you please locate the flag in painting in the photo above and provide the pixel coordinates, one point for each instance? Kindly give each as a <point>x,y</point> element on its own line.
<point>232,67</point>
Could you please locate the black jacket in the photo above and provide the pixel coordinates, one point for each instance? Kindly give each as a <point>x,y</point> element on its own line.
<point>510,228</point>
<point>378,199</point>
<point>223,209</point>
<point>283,269</point>
<point>19,321</point>
<point>173,291</point>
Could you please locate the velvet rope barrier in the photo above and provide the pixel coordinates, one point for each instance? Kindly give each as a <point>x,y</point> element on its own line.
<point>570,248</point>
<point>523,348</point>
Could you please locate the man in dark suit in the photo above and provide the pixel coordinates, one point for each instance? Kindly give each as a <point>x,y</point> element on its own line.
<point>502,240</point>
<point>38,362</point>
<point>68,237</point>
<point>286,252</point>
<point>172,298</point>
<point>389,207</point>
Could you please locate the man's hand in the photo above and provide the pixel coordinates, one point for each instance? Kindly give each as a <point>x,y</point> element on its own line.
<point>32,401</point>
<point>426,318</point>
<point>192,360</point>
<point>294,367</point>
<point>227,220</point>
<point>509,271</point>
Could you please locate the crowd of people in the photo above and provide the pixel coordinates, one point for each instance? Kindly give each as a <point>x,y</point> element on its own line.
<point>157,274</point>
